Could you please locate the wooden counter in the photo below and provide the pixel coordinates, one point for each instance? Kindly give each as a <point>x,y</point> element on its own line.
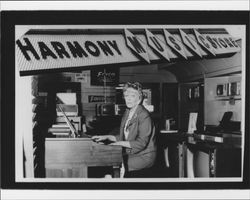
<point>71,157</point>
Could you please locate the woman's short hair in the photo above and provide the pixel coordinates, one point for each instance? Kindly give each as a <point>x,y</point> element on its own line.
<point>136,86</point>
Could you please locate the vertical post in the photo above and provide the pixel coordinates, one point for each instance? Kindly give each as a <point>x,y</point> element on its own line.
<point>104,85</point>
<point>181,159</point>
<point>190,164</point>
<point>212,163</point>
<point>23,128</point>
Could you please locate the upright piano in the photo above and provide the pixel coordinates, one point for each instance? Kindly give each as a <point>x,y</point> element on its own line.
<point>71,157</point>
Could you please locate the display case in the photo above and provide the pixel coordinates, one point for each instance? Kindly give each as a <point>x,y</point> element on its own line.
<point>211,159</point>
<point>191,100</point>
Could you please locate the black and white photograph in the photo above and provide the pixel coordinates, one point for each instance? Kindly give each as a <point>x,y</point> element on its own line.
<point>100,127</point>
<point>148,100</point>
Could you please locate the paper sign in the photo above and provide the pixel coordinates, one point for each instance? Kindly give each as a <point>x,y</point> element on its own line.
<point>192,122</point>
<point>66,98</point>
<point>81,77</point>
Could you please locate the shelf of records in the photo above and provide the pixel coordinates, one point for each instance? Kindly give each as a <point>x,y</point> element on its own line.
<point>227,90</point>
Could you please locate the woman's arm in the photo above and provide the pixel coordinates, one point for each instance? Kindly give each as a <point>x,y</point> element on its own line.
<point>145,132</point>
<point>122,143</point>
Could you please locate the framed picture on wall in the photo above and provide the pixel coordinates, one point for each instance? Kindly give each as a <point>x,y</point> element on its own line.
<point>222,89</point>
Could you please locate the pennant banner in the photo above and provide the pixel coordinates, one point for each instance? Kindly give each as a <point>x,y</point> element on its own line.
<point>175,44</point>
<point>157,45</point>
<point>191,43</point>
<point>136,45</point>
<point>204,43</point>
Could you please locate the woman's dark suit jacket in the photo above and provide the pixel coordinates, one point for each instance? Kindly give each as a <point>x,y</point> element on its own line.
<point>141,136</point>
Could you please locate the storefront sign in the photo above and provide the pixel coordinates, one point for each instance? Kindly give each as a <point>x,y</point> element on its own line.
<point>222,44</point>
<point>81,77</point>
<point>157,45</point>
<point>35,53</point>
<point>174,43</point>
<point>53,52</point>
<point>189,42</point>
<point>136,45</point>
<point>102,77</point>
<point>95,98</point>
<point>68,50</point>
<point>204,42</point>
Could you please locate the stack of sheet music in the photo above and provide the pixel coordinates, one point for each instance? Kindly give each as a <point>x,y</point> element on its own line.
<point>66,108</point>
<point>60,130</point>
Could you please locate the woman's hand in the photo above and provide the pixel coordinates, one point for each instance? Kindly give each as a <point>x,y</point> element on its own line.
<point>102,138</point>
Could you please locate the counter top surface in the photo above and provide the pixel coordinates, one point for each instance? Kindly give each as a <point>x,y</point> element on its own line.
<point>221,139</point>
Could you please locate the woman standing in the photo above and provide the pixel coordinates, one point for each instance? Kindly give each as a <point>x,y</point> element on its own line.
<point>137,134</point>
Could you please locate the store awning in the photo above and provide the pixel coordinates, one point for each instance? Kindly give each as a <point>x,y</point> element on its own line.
<point>56,50</point>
